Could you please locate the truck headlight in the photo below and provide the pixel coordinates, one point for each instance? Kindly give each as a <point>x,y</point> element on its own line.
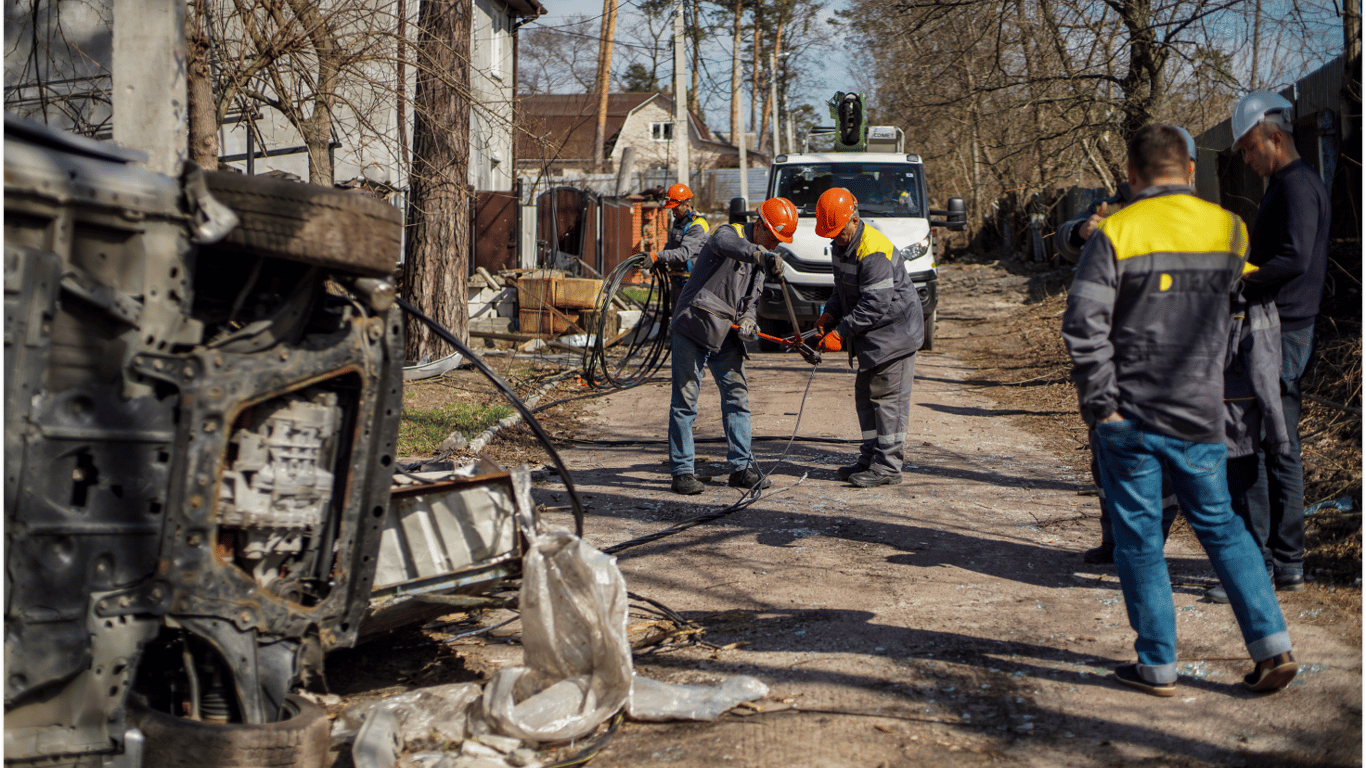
<point>916,250</point>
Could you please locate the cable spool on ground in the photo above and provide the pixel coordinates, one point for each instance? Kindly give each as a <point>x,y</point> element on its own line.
<point>625,359</point>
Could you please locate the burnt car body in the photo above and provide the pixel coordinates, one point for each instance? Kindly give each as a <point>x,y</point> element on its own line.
<point>199,442</point>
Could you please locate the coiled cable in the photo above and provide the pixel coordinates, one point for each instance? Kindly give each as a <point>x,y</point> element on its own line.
<point>639,358</point>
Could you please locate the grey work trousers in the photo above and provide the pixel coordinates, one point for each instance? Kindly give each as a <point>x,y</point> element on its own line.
<point>882,399</point>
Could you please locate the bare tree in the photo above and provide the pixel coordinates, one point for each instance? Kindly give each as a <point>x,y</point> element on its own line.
<point>559,59</point>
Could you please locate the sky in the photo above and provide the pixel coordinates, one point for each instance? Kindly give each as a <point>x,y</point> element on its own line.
<point>835,76</point>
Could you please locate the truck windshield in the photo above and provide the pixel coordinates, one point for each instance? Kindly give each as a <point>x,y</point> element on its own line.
<point>882,189</point>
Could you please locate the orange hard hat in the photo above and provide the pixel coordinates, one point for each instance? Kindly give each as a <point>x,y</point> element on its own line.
<point>779,216</point>
<point>678,193</point>
<point>833,210</point>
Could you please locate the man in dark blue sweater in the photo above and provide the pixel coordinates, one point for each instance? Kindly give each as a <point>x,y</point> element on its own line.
<point>1289,247</point>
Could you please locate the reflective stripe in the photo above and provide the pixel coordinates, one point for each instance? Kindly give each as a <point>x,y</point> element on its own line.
<point>1102,294</point>
<point>697,219</point>
<point>850,267</point>
<point>880,285</point>
<point>891,439</point>
<point>869,434</point>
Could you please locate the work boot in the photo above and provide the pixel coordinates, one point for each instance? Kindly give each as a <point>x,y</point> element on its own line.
<point>1102,555</point>
<point>1273,674</point>
<point>747,478</point>
<point>845,472</point>
<point>1288,580</point>
<point>688,485</point>
<point>1216,594</point>
<point>870,479</point>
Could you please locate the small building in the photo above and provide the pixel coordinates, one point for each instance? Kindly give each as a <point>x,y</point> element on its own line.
<point>560,132</point>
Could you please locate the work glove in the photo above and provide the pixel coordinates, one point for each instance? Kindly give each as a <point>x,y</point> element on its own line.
<point>772,263</point>
<point>831,342</point>
<point>824,322</point>
<point>749,329</point>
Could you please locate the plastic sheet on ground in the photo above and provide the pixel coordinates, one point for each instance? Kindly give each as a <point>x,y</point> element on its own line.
<point>427,717</point>
<point>573,605</point>
<point>655,701</point>
<point>578,674</point>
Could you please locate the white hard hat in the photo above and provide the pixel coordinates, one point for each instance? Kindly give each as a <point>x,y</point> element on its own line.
<point>1190,141</point>
<point>1256,107</point>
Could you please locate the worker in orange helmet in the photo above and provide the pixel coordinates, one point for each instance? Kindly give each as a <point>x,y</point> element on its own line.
<point>723,290</point>
<point>875,314</point>
<point>687,235</point>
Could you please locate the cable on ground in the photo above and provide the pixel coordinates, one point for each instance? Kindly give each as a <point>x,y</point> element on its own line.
<point>643,348</point>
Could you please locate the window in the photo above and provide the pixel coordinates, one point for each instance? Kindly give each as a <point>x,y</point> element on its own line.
<point>662,131</point>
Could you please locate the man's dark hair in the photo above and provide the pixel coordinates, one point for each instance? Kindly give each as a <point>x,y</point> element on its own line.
<point>1158,150</point>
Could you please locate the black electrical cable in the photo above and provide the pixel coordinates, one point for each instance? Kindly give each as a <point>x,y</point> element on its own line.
<point>512,397</point>
<point>644,354</point>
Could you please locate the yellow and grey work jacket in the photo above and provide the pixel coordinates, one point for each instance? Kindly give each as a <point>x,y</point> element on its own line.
<point>1148,314</point>
<point>875,305</point>
<point>687,235</point>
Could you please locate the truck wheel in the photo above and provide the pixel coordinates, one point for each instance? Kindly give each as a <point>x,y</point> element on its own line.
<point>930,323</point>
<point>332,228</point>
<point>298,741</point>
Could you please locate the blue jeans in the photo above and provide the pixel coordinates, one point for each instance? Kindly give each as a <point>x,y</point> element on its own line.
<point>1133,461</point>
<point>728,368</point>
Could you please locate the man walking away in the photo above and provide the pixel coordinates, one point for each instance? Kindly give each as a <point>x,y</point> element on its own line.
<point>875,312</point>
<point>1147,327</point>
<point>727,279</point>
<point>1290,251</point>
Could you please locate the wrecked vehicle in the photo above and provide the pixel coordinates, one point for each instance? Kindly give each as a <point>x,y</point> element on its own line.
<point>200,429</point>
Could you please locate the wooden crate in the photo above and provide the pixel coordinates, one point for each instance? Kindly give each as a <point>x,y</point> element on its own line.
<point>557,291</point>
<point>544,322</point>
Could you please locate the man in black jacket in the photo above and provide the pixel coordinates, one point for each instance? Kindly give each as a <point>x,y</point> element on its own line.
<point>1289,247</point>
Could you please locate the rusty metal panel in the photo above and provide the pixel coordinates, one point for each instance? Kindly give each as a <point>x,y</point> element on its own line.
<point>495,233</point>
<point>617,233</point>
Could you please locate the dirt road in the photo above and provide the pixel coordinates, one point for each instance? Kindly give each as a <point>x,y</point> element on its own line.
<point>948,620</point>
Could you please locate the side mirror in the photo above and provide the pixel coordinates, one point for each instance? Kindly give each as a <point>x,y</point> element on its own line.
<point>738,211</point>
<point>955,218</point>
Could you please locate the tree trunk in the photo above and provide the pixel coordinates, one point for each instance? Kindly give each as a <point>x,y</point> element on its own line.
<point>317,127</point>
<point>203,113</point>
<point>435,274</point>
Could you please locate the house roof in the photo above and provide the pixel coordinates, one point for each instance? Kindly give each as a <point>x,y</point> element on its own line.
<point>567,123</point>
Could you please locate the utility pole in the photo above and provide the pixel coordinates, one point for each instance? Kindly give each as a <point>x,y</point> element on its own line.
<point>609,31</point>
<point>773,96</point>
<point>680,99</point>
<point>737,127</point>
<point>150,90</point>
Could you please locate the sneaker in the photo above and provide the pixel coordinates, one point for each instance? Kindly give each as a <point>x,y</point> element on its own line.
<point>845,472</point>
<point>1128,675</point>
<point>869,479</point>
<point>1216,594</point>
<point>688,485</point>
<point>1271,675</point>
<point>747,478</point>
<point>1102,555</point>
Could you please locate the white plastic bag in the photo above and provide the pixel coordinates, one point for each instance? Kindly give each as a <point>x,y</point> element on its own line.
<point>573,607</point>
<point>655,701</point>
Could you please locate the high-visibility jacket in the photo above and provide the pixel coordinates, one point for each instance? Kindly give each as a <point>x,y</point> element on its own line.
<point>687,235</point>
<point>1148,314</point>
<point>875,304</point>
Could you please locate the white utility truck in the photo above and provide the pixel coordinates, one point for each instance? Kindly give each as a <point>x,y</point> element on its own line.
<point>871,162</point>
